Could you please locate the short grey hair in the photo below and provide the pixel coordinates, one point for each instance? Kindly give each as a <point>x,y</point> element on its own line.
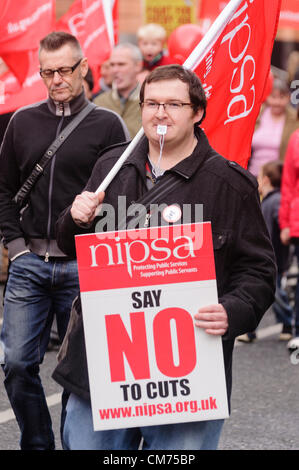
<point>57,39</point>
<point>135,51</point>
<point>281,85</point>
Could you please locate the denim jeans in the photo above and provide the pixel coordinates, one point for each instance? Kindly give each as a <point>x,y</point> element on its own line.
<point>35,292</point>
<point>281,306</point>
<point>78,433</point>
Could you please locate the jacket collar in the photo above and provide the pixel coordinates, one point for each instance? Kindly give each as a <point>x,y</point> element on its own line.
<point>67,109</point>
<point>185,168</point>
<point>270,193</point>
<point>149,65</point>
<point>133,96</point>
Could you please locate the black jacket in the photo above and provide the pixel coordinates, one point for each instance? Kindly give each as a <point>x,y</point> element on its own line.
<point>30,131</point>
<point>244,259</point>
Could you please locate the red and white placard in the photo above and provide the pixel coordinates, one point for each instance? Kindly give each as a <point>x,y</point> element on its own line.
<point>147,362</point>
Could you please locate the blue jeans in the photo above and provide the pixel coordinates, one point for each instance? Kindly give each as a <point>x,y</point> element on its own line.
<point>281,306</point>
<point>35,292</point>
<point>78,433</point>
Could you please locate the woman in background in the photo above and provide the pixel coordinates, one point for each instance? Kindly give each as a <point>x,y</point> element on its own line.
<point>275,124</point>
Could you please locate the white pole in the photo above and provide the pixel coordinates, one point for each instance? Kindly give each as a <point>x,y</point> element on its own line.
<point>114,170</point>
<point>211,35</point>
<point>191,62</point>
<point>107,8</point>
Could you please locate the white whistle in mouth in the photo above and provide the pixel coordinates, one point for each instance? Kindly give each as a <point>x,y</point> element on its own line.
<point>161,130</point>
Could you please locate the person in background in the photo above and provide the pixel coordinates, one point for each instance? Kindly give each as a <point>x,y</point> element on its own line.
<point>289,212</point>
<point>105,82</point>
<point>269,180</point>
<point>151,41</point>
<point>275,124</point>
<point>125,64</point>
<point>42,281</point>
<point>88,84</point>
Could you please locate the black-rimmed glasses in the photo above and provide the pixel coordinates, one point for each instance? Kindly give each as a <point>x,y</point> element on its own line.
<point>63,71</point>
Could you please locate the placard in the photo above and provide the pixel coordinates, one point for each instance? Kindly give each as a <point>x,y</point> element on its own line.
<point>148,364</point>
<point>170,13</point>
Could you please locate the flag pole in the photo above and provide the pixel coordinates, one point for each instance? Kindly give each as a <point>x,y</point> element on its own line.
<point>117,166</point>
<point>190,63</point>
<point>107,8</point>
<point>211,35</point>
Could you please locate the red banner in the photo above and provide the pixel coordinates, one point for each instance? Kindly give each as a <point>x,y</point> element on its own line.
<point>86,20</point>
<point>18,64</point>
<point>289,15</point>
<point>115,18</point>
<point>208,12</point>
<point>234,73</point>
<point>13,96</point>
<point>22,25</point>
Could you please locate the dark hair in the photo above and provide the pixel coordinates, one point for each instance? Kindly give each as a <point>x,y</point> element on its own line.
<point>89,79</point>
<point>55,40</point>
<point>178,72</point>
<point>273,170</point>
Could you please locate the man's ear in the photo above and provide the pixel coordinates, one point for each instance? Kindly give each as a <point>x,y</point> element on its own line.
<point>84,66</point>
<point>198,115</point>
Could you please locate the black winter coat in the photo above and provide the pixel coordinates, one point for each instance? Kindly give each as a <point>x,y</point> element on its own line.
<point>244,259</point>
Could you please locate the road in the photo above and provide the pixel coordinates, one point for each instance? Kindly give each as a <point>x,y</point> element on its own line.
<point>265,398</point>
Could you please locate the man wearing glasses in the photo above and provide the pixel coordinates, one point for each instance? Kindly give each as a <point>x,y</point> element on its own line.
<point>173,104</point>
<point>42,281</point>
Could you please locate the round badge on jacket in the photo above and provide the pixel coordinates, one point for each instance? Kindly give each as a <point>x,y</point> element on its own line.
<point>172,213</point>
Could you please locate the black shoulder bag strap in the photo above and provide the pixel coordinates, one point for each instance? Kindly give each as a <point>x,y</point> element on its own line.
<point>154,195</point>
<point>24,191</point>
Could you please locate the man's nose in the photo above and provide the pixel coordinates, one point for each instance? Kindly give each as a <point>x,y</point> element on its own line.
<point>114,68</point>
<point>161,110</point>
<point>56,77</point>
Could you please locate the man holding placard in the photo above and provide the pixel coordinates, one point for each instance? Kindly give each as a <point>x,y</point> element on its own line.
<point>172,169</point>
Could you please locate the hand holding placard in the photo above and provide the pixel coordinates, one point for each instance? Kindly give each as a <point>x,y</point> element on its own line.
<point>213,319</point>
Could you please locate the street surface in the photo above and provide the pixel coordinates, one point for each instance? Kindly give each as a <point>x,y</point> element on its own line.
<point>265,398</point>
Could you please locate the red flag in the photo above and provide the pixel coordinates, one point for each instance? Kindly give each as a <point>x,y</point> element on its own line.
<point>115,17</point>
<point>18,63</point>
<point>86,20</point>
<point>234,73</point>
<point>289,15</point>
<point>22,25</point>
<point>221,59</point>
<point>13,96</point>
<point>208,12</point>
